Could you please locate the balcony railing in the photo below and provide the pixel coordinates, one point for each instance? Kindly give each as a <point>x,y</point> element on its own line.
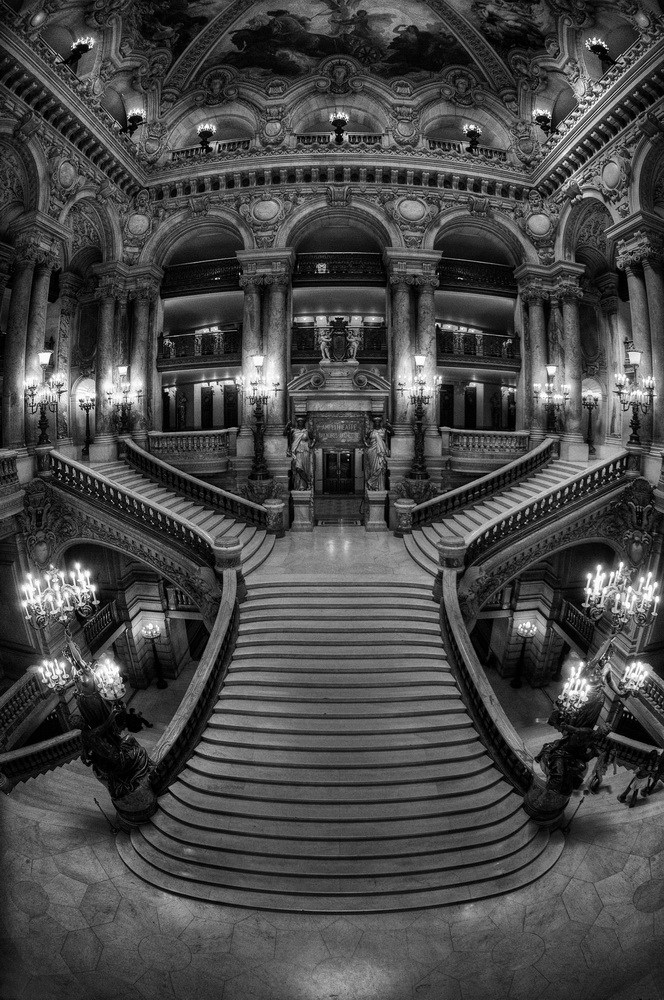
<point>352,138</point>
<point>206,446</point>
<point>455,346</point>
<point>326,267</point>
<point>372,341</point>
<point>9,482</point>
<point>97,628</point>
<point>211,275</point>
<point>17,704</point>
<point>216,146</point>
<point>572,618</point>
<point>453,146</point>
<point>223,345</point>
<point>467,274</point>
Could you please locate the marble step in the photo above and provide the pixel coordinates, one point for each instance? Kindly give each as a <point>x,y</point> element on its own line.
<point>284,677</point>
<point>348,710</point>
<point>278,611</point>
<point>387,757</point>
<point>469,830</point>
<point>397,886</point>
<point>330,653</point>
<point>532,868</point>
<point>347,743</point>
<point>445,860</point>
<point>332,626</point>
<point>326,725</point>
<point>356,696</point>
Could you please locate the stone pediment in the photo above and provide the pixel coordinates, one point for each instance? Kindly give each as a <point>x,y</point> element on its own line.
<point>339,377</point>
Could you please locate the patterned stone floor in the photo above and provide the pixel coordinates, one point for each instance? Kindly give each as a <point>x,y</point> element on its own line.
<point>76,925</point>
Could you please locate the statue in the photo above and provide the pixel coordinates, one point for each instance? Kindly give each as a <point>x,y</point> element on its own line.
<point>325,342</point>
<point>353,341</point>
<point>377,450</point>
<point>300,447</point>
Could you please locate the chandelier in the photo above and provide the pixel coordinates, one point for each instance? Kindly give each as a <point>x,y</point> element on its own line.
<point>573,695</point>
<point>44,396</point>
<point>552,398</point>
<point>339,119</point>
<point>620,599</point>
<point>57,600</point>
<point>634,397</point>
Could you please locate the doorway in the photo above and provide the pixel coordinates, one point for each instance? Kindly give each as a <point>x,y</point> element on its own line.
<point>338,471</point>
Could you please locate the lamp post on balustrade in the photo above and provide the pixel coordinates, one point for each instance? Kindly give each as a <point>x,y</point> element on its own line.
<point>44,396</point>
<point>633,397</point>
<point>87,403</point>
<point>258,398</point>
<point>151,632</point>
<point>590,402</point>
<point>420,396</point>
<point>552,397</point>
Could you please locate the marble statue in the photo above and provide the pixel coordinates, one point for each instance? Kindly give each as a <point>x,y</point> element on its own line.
<point>376,452</point>
<point>300,449</point>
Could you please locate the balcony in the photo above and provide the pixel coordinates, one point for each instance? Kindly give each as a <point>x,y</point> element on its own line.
<point>198,349</point>
<point>207,276</point>
<point>467,275</point>
<point>339,268</point>
<point>479,348</point>
<point>372,343</point>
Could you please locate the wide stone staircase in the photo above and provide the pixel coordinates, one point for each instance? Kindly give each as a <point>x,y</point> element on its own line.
<point>256,542</point>
<point>339,770</point>
<point>421,544</point>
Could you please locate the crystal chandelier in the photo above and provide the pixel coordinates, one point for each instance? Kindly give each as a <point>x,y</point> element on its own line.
<point>55,599</point>
<point>620,599</point>
<point>573,695</point>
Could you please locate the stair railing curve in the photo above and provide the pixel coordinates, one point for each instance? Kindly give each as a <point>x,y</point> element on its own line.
<point>229,504</point>
<point>494,482</point>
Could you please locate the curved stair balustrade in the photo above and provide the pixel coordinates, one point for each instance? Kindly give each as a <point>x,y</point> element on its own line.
<point>18,703</point>
<point>229,504</point>
<point>498,735</point>
<point>595,483</point>
<point>183,732</point>
<point>81,481</point>
<point>38,758</point>
<point>486,486</point>
<point>192,448</point>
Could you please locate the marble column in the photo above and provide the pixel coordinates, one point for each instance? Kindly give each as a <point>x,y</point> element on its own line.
<point>569,294</point>
<point>140,360</point>
<point>277,349</point>
<point>534,295</point>
<point>402,348</point>
<point>13,400</point>
<point>69,286</point>
<point>36,330</point>
<point>640,317</point>
<point>105,358</point>
<point>426,339</point>
<point>251,339</point>
<point>608,286</point>
<point>653,272</point>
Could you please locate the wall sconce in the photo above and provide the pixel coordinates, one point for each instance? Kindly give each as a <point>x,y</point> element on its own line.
<point>552,399</point>
<point>631,396</point>
<point>205,132</point>
<point>472,133</point>
<point>542,118</point>
<point>339,119</point>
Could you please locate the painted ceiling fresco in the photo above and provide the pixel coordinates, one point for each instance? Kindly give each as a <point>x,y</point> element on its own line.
<point>394,39</point>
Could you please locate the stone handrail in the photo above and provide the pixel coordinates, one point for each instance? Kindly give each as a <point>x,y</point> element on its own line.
<point>490,443</point>
<point>220,500</point>
<point>181,444</point>
<point>107,617</point>
<point>38,758</point>
<point>652,695</point>
<point>499,736</point>
<point>17,703</point>
<point>494,482</point>
<point>215,146</point>
<point>575,619</point>
<point>92,486</point>
<point>9,481</point>
<point>182,733</point>
<point>597,480</point>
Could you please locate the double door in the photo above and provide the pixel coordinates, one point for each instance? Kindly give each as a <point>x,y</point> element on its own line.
<point>338,471</point>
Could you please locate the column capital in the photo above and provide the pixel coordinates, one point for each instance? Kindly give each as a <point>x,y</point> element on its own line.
<point>69,286</point>
<point>31,248</point>
<point>411,263</point>
<point>266,264</point>
<point>111,280</point>
<point>607,285</point>
<point>533,291</point>
<point>425,281</point>
<point>567,289</point>
<point>251,281</point>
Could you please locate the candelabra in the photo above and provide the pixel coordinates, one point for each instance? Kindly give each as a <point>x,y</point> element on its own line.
<point>599,47</point>
<point>78,49</point>
<point>151,632</point>
<point>572,697</point>
<point>472,133</point>
<point>526,630</point>
<point>551,397</point>
<point>120,398</point>
<point>420,396</point>
<point>205,132</point>
<point>44,397</point>
<point>87,403</point>
<point>624,602</point>
<point>258,397</point>
<point>632,396</point>
<point>338,119</point>
<point>590,401</point>
<point>135,118</point>
<point>632,680</point>
<point>542,118</point>
<point>56,600</point>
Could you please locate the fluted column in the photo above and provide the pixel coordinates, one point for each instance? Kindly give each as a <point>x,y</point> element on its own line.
<point>252,342</point>
<point>36,330</point>
<point>276,355</point>
<point>401,346</point>
<point>426,339</point>
<point>534,295</point>
<point>608,286</point>
<point>13,403</point>
<point>569,293</point>
<point>653,272</point>
<point>69,286</point>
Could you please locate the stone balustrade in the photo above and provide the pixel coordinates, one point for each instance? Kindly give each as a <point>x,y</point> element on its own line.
<point>38,758</point>
<point>192,446</point>
<point>17,703</point>
<point>502,445</point>
<point>9,481</point>
<point>106,619</point>
<point>573,618</point>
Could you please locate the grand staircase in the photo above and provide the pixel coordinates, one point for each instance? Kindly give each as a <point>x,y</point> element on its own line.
<point>421,544</point>
<point>339,771</point>
<point>256,542</point>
